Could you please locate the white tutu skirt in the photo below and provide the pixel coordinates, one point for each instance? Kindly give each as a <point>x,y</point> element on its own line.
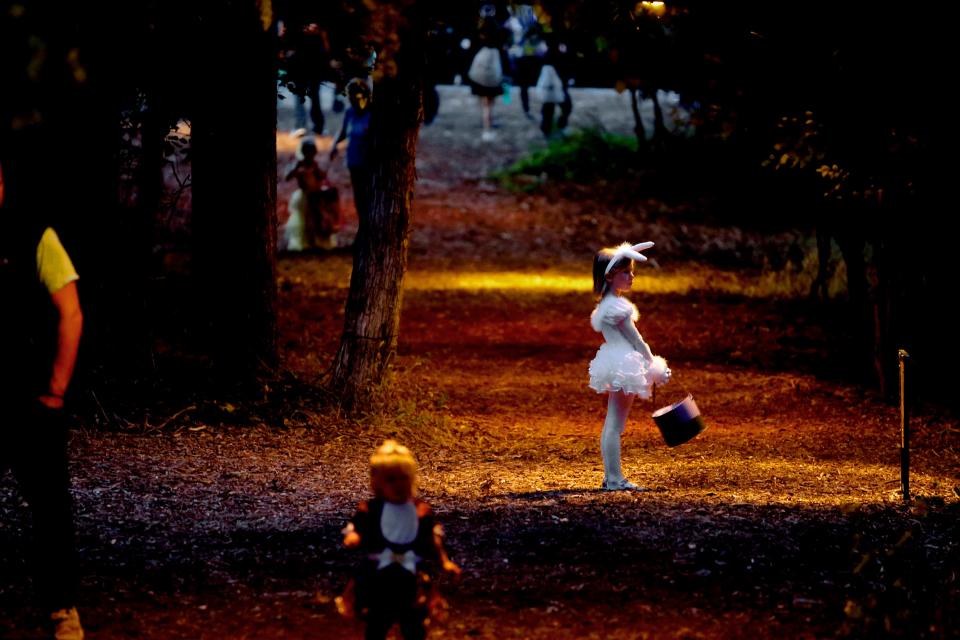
<point>304,228</point>
<point>620,368</point>
<point>295,230</point>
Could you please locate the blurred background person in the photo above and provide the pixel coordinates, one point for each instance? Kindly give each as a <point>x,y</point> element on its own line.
<point>308,65</point>
<point>355,130</point>
<point>525,51</point>
<point>553,87</point>
<point>486,71</point>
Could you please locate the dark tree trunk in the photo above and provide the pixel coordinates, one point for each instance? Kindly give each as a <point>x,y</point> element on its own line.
<point>234,191</point>
<point>380,249</point>
<point>149,181</point>
<point>638,129</point>
<point>659,125</point>
<point>659,133</point>
<point>113,279</point>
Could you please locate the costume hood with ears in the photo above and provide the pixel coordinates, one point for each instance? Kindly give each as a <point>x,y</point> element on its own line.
<point>626,250</point>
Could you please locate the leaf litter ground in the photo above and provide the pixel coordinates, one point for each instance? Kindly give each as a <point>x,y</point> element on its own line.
<point>220,518</point>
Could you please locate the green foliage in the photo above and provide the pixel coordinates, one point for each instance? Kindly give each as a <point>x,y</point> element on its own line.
<point>800,146</point>
<point>581,157</point>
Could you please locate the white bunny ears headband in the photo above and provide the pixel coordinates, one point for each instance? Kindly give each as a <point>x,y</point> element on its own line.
<point>626,250</point>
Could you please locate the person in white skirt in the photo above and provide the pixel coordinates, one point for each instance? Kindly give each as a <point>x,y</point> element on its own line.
<point>624,366</point>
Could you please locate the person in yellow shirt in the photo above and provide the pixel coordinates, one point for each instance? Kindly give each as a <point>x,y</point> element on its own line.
<point>40,330</point>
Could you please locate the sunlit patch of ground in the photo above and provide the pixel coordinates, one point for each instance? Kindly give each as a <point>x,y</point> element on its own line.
<point>453,275</point>
<point>288,143</point>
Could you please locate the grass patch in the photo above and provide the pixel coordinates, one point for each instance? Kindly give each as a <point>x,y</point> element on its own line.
<point>795,279</point>
<point>582,157</point>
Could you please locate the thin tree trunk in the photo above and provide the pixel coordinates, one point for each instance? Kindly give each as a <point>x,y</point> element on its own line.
<point>372,315</point>
<point>659,126</point>
<point>638,129</point>
<point>659,133</point>
<point>133,231</point>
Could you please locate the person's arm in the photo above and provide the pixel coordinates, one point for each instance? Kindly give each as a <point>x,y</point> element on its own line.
<point>351,533</point>
<point>351,539</point>
<point>630,332</point>
<point>340,138</point>
<point>658,368</point>
<point>293,171</point>
<point>69,329</point>
<point>448,565</point>
<point>318,171</point>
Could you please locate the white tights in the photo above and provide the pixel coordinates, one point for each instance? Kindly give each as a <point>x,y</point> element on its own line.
<point>618,408</point>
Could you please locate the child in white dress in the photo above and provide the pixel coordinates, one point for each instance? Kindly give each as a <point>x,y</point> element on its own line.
<point>624,366</point>
<point>314,207</point>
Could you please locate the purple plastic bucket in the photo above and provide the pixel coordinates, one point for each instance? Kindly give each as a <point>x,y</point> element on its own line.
<point>679,422</point>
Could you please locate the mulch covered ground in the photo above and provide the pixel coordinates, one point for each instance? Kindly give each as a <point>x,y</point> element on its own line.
<point>221,517</point>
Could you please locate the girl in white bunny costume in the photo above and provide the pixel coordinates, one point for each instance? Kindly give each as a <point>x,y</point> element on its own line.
<point>624,366</point>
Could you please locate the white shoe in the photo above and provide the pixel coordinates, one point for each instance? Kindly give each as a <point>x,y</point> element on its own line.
<point>66,624</point>
<point>298,133</point>
<point>488,136</point>
<point>620,485</point>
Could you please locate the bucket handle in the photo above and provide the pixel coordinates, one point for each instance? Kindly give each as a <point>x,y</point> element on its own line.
<point>653,392</point>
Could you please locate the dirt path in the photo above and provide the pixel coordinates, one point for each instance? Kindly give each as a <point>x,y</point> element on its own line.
<point>781,520</point>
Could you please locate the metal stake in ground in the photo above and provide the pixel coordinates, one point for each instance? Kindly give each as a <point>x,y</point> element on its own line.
<point>903,356</point>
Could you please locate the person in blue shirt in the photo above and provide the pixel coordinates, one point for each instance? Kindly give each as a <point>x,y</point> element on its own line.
<point>355,130</point>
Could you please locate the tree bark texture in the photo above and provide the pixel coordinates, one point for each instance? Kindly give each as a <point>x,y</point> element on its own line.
<point>234,190</point>
<point>638,129</point>
<point>372,316</point>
